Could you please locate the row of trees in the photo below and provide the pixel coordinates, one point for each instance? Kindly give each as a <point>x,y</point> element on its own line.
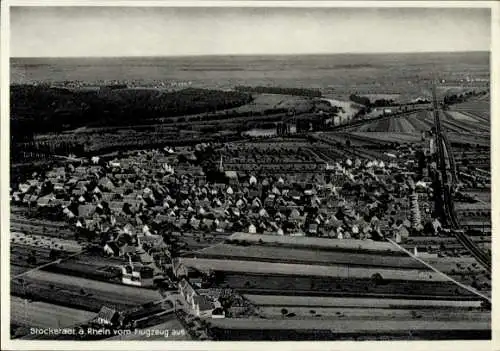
<point>363,100</point>
<point>280,90</point>
<point>305,125</point>
<point>457,98</point>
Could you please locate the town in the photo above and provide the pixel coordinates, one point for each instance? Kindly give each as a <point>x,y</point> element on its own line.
<point>266,237</point>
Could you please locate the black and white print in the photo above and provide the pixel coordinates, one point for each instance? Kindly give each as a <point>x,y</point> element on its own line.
<point>250,173</point>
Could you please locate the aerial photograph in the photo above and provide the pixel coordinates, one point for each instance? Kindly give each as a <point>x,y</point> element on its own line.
<point>250,173</point>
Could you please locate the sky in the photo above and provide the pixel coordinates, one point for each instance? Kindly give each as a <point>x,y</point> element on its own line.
<point>125,31</point>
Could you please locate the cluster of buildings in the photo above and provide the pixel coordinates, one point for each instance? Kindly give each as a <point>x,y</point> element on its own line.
<point>132,197</point>
<point>129,203</point>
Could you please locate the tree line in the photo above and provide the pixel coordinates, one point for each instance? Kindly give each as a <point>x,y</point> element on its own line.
<point>458,98</point>
<point>280,90</point>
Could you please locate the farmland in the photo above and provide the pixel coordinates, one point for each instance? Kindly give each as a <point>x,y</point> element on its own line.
<point>338,271</point>
<point>263,102</point>
<point>355,302</point>
<point>41,285</point>
<point>453,121</point>
<point>41,314</point>
<point>320,257</point>
<point>379,314</point>
<point>262,329</point>
<point>321,243</point>
<point>350,326</point>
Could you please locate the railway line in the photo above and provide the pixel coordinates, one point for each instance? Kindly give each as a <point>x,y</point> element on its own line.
<point>479,254</point>
<point>444,153</point>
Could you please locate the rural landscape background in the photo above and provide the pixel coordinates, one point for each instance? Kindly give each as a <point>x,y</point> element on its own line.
<point>251,197</point>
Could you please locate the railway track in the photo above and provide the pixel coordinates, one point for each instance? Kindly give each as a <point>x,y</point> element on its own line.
<point>449,210</point>
<point>479,254</point>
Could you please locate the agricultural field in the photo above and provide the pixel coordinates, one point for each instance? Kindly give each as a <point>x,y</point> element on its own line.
<point>45,315</point>
<point>261,253</point>
<point>45,242</point>
<point>460,116</point>
<point>290,284</point>
<point>381,314</point>
<point>20,223</point>
<point>59,288</point>
<point>355,302</point>
<point>337,271</point>
<point>83,266</point>
<point>262,102</point>
<point>351,326</point>
<point>269,154</point>
<point>320,243</point>
<point>348,108</point>
<point>278,156</point>
<point>305,256</point>
<point>390,138</point>
<point>374,97</point>
<point>454,121</point>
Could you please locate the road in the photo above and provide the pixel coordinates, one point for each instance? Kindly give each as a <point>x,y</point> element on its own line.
<point>45,315</point>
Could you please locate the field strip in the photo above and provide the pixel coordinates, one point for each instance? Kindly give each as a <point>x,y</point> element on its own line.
<point>477,115</point>
<point>466,287</point>
<point>306,256</point>
<point>45,241</point>
<point>417,124</point>
<point>320,243</point>
<point>45,315</point>
<point>340,271</point>
<point>55,278</point>
<point>349,326</point>
<point>459,116</point>
<point>374,313</point>
<point>406,126</point>
<point>354,302</point>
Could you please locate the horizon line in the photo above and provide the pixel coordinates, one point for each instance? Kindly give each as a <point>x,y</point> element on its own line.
<point>259,54</point>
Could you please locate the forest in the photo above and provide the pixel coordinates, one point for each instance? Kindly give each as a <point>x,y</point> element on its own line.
<point>36,109</point>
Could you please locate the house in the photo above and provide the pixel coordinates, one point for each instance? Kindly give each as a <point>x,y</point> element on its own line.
<point>295,194</point>
<point>85,210</point>
<point>107,316</point>
<point>16,197</point>
<point>68,212</point>
<point>204,307</point>
<point>252,180</point>
<point>402,233</point>
<point>232,176</point>
<point>137,274</point>
<point>313,228</point>
<point>24,188</point>
<point>45,200</point>
<point>187,291</point>
<point>58,188</point>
